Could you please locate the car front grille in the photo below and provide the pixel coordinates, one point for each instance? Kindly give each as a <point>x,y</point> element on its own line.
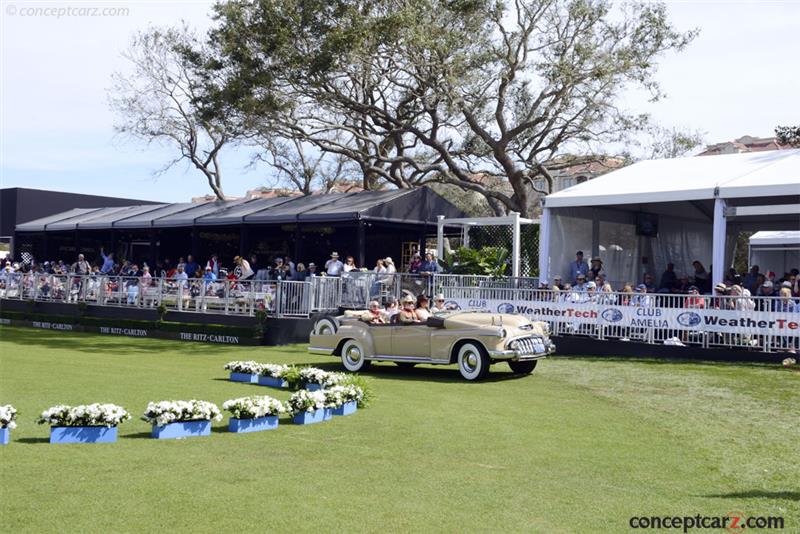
<point>528,345</point>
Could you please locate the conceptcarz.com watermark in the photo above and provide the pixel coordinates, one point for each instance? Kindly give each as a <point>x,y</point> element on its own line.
<point>733,522</point>
<point>65,11</point>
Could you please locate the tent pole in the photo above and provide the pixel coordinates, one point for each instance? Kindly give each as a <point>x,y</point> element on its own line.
<point>515,246</point>
<point>440,236</point>
<point>718,242</point>
<point>544,246</point>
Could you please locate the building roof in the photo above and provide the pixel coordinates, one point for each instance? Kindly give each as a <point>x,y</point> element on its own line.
<point>753,174</point>
<point>412,206</point>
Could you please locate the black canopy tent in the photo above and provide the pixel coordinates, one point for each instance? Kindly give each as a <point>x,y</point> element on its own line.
<point>367,225</point>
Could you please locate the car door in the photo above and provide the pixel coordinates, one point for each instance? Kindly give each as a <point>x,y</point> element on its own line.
<point>381,339</point>
<point>411,340</point>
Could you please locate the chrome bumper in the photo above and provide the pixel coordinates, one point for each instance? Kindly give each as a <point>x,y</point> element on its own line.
<point>527,352</point>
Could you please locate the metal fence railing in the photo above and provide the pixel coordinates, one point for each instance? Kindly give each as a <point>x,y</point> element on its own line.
<point>762,323</point>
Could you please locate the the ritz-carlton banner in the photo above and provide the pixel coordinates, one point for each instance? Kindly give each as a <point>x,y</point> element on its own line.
<point>593,313</point>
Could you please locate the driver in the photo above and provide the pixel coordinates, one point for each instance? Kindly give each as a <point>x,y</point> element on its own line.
<point>408,315</point>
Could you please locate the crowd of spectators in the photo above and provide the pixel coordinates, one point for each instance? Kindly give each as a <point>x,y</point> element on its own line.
<point>589,282</point>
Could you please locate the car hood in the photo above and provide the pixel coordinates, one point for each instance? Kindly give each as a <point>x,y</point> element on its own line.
<point>515,325</point>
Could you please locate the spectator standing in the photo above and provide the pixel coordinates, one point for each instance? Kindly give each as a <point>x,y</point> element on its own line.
<point>312,270</point>
<point>242,270</point>
<point>668,279</point>
<point>380,268</point>
<point>702,279</point>
<point>649,282</point>
<point>785,303</point>
<point>594,270</point>
<point>81,267</point>
<point>334,267</point>
<point>579,266</point>
<point>191,266</point>
<point>292,267</point>
<point>300,273</point>
<point>350,265</point>
<point>213,263</point>
<point>429,266</point>
<point>416,263</point>
<point>108,262</point>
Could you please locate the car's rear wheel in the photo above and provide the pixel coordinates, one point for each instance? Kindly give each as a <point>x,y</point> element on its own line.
<point>353,356</point>
<point>473,361</point>
<point>326,326</point>
<point>523,368</point>
<point>405,365</point>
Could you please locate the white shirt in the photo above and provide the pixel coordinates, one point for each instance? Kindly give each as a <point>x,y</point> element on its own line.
<point>334,267</point>
<point>347,268</point>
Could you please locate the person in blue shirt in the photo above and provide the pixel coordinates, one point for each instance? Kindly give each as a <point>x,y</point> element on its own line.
<point>108,262</point>
<point>191,266</point>
<point>429,266</point>
<point>579,266</point>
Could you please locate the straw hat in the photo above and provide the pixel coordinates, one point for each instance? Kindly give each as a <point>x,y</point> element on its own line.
<point>408,299</point>
<point>388,259</point>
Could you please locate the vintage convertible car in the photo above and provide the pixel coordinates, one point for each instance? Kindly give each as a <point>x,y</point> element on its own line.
<point>473,340</point>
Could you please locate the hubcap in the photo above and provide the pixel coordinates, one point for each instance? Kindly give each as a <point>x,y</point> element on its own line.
<point>470,362</point>
<point>324,330</point>
<point>353,354</point>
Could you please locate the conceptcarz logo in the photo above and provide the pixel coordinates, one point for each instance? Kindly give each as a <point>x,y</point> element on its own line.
<point>612,315</point>
<point>734,522</point>
<point>505,307</point>
<point>689,319</point>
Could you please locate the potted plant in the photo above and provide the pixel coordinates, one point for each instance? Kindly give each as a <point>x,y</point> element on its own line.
<point>253,414</point>
<point>180,419</point>
<point>92,423</point>
<point>244,371</point>
<point>344,399</point>
<point>306,407</point>
<point>271,375</point>
<point>8,422</point>
<point>314,379</point>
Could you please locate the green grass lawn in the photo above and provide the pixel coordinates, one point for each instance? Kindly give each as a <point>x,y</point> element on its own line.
<point>579,446</point>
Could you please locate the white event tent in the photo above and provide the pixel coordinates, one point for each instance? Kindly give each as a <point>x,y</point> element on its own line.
<point>778,250</point>
<point>640,217</point>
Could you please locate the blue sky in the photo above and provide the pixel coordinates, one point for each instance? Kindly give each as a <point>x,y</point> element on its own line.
<point>739,77</point>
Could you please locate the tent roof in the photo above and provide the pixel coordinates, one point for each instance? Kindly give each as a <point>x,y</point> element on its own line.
<point>775,238</point>
<point>412,206</point>
<point>773,173</point>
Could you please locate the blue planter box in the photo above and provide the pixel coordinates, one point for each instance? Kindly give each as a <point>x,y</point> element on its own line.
<point>272,382</point>
<point>346,409</point>
<point>308,418</point>
<point>327,414</point>
<point>183,429</point>
<point>5,434</point>
<point>83,434</point>
<point>253,425</point>
<point>313,387</point>
<point>244,377</point>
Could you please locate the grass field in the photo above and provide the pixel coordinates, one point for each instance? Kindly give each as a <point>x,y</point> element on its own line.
<point>579,446</point>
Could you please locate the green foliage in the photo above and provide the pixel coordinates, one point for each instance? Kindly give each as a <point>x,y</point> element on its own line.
<point>788,135</point>
<point>364,384</point>
<point>162,311</point>
<point>486,261</point>
<point>292,377</point>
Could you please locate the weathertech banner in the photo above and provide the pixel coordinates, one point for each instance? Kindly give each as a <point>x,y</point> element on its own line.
<point>633,316</point>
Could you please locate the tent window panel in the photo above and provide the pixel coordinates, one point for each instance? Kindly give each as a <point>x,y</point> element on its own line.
<point>567,236</point>
<point>619,250</point>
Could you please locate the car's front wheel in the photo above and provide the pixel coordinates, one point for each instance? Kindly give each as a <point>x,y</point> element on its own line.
<point>353,357</point>
<point>523,368</point>
<point>473,361</point>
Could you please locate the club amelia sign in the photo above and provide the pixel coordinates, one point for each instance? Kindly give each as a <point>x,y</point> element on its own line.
<point>707,320</point>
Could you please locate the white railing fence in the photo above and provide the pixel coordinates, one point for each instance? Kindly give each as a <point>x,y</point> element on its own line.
<point>756,323</point>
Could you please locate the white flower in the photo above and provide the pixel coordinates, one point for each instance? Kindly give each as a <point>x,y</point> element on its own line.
<point>84,415</point>
<point>306,401</point>
<point>252,407</point>
<point>165,412</point>
<point>8,417</point>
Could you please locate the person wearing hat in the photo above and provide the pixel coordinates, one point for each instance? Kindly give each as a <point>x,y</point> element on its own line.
<point>312,270</point>
<point>333,267</point>
<point>438,303</point>
<point>374,314</point>
<point>579,266</point>
<point>243,271</point>
<point>641,298</point>
<point>408,314</point>
<point>767,289</point>
<point>694,299</point>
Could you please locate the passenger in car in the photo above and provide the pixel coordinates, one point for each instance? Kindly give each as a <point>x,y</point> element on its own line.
<point>408,315</point>
<point>374,315</point>
<point>423,312</point>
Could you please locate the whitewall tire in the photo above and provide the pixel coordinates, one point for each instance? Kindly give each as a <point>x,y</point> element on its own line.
<point>473,361</point>
<point>326,326</point>
<point>353,356</point>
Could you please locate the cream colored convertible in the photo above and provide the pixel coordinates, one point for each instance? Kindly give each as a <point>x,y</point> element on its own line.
<point>473,340</point>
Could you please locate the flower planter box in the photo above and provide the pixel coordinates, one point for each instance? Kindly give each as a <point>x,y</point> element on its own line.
<point>313,387</point>
<point>183,429</point>
<point>327,414</point>
<point>83,434</point>
<point>308,418</point>
<point>244,377</point>
<point>5,435</point>
<point>256,424</point>
<point>272,382</point>
<point>346,409</point>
